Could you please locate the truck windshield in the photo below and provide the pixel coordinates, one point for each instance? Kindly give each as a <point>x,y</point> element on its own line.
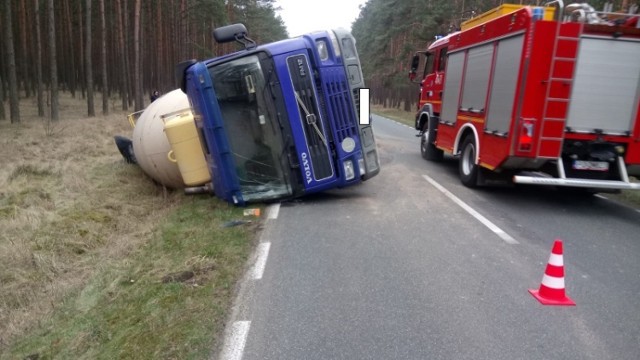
<point>252,128</point>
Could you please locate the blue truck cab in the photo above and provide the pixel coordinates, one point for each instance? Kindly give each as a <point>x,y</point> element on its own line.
<point>281,120</point>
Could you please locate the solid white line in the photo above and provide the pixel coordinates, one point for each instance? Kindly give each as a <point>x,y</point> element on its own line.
<point>234,347</point>
<point>261,261</point>
<point>273,211</point>
<point>503,235</point>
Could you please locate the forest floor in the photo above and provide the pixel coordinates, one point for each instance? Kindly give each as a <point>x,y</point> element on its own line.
<point>627,197</point>
<point>97,260</point>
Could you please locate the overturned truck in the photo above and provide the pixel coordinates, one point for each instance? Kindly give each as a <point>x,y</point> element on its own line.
<point>271,122</point>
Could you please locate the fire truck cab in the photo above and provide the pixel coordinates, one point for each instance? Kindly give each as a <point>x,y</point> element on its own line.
<point>537,95</point>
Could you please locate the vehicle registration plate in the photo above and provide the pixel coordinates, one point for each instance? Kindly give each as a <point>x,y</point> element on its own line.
<point>590,165</point>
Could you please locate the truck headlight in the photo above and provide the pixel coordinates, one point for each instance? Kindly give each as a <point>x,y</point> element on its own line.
<point>349,172</point>
<point>323,50</point>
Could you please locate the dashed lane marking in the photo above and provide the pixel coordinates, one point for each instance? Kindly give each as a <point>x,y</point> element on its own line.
<point>273,211</point>
<point>261,261</point>
<point>234,347</point>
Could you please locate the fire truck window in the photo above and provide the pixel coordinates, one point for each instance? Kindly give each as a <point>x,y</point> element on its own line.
<point>442,59</point>
<point>428,66</point>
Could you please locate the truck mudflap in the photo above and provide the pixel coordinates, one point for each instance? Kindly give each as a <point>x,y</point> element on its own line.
<point>622,184</point>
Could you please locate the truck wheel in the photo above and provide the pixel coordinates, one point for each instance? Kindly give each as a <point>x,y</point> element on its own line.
<point>467,166</point>
<point>427,149</point>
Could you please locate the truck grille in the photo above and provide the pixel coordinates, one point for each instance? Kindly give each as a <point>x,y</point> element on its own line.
<point>339,106</point>
<point>303,86</point>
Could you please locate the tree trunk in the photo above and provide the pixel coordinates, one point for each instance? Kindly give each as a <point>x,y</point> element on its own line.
<point>91,111</point>
<point>129,54</point>
<point>14,105</point>
<point>2,116</point>
<point>53,63</point>
<point>81,53</point>
<point>24,58</point>
<point>137,78</point>
<point>73,71</point>
<point>122,57</point>
<point>39,60</point>
<point>105,89</point>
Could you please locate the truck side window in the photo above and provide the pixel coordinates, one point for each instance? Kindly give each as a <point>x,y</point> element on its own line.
<point>442,59</point>
<point>428,66</point>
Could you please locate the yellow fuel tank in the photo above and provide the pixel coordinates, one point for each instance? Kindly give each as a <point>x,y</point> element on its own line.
<point>186,149</point>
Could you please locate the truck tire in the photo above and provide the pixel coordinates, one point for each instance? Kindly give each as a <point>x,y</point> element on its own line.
<point>467,167</point>
<point>427,149</point>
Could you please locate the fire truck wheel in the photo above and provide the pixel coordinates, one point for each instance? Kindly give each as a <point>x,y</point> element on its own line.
<point>427,149</point>
<point>467,165</point>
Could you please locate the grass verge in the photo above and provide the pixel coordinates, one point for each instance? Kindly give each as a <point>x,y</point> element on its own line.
<point>167,299</point>
<point>97,261</point>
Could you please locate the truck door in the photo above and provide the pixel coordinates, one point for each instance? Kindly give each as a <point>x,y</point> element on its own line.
<point>434,78</point>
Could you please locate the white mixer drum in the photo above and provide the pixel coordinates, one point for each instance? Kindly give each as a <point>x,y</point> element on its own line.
<point>151,146</point>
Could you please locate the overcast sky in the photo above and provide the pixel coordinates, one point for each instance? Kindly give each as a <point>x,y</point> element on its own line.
<point>303,16</point>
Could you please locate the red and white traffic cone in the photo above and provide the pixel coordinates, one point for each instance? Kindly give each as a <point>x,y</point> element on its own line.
<point>551,290</point>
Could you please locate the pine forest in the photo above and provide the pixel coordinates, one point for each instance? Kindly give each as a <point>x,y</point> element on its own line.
<point>112,49</point>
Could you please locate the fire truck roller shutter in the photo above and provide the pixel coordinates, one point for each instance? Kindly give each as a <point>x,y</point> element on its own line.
<point>606,86</point>
<point>451,97</point>
<point>503,86</point>
<point>476,78</point>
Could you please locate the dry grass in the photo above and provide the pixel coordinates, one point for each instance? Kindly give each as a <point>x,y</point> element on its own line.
<point>62,209</point>
<point>78,225</point>
<point>399,115</point>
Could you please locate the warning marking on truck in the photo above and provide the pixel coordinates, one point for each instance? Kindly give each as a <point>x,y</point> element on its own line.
<point>364,107</point>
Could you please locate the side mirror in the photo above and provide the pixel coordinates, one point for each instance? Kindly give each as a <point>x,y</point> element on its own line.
<point>229,33</point>
<point>234,32</point>
<point>415,61</point>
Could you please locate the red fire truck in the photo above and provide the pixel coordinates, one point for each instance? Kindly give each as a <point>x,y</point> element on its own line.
<point>535,95</point>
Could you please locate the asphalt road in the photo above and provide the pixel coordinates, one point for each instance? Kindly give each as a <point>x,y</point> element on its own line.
<point>397,269</point>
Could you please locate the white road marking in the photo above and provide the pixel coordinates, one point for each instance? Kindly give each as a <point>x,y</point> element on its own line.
<point>234,347</point>
<point>261,261</point>
<point>503,235</point>
<point>606,198</point>
<point>236,337</point>
<point>273,211</point>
